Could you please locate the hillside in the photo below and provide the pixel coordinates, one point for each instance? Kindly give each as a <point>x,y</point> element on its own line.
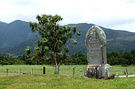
<point>117,40</point>
<point>18,35</point>
<point>14,33</point>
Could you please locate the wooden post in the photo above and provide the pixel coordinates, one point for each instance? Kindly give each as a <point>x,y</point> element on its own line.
<point>20,72</point>
<point>117,74</point>
<point>74,71</point>
<point>126,72</point>
<point>31,70</point>
<point>7,72</point>
<point>43,70</point>
<point>83,71</point>
<point>14,72</point>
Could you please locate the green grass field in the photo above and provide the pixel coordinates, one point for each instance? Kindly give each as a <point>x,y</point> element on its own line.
<point>64,69</point>
<point>65,80</point>
<point>38,69</point>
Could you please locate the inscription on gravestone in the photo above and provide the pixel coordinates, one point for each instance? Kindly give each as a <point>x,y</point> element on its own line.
<point>96,45</point>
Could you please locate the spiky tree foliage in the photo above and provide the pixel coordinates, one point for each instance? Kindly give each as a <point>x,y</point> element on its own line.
<point>54,38</point>
<point>28,51</point>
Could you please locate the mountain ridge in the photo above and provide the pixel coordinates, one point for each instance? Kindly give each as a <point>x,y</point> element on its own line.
<point>15,33</point>
<point>15,36</point>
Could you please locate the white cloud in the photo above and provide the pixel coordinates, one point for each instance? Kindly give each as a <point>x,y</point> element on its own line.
<point>125,26</point>
<point>117,14</point>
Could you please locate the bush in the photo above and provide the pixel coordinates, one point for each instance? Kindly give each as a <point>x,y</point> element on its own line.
<point>125,65</point>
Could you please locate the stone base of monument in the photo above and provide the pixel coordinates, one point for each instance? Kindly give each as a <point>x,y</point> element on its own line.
<point>98,71</point>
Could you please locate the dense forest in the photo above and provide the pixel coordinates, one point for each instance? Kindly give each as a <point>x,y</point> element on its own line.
<point>113,58</point>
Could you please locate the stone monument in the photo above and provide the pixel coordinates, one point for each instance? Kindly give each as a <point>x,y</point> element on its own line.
<point>95,42</point>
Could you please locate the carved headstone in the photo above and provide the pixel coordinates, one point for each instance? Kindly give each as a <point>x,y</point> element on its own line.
<point>96,54</point>
<point>96,45</point>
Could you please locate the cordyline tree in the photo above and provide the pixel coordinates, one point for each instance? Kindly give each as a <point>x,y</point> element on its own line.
<point>54,39</point>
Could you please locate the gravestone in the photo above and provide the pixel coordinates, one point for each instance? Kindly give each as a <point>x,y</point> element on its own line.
<point>95,42</point>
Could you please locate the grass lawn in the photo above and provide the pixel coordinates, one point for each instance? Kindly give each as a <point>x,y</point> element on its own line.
<point>119,69</point>
<point>63,82</point>
<point>38,69</point>
<point>14,70</point>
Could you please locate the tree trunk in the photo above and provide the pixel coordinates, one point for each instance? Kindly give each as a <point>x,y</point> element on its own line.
<point>57,71</point>
<point>56,66</point>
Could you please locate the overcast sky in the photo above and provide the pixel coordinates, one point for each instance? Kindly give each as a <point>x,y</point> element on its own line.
<point>115,14</point>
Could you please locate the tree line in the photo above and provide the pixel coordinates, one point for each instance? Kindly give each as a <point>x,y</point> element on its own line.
<point>127,58</point>
<point>113,58</point>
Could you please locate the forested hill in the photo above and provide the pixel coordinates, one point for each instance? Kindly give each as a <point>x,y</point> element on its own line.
<point>15,36</point>
<point>14,33</point>
<point>117,40</point>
